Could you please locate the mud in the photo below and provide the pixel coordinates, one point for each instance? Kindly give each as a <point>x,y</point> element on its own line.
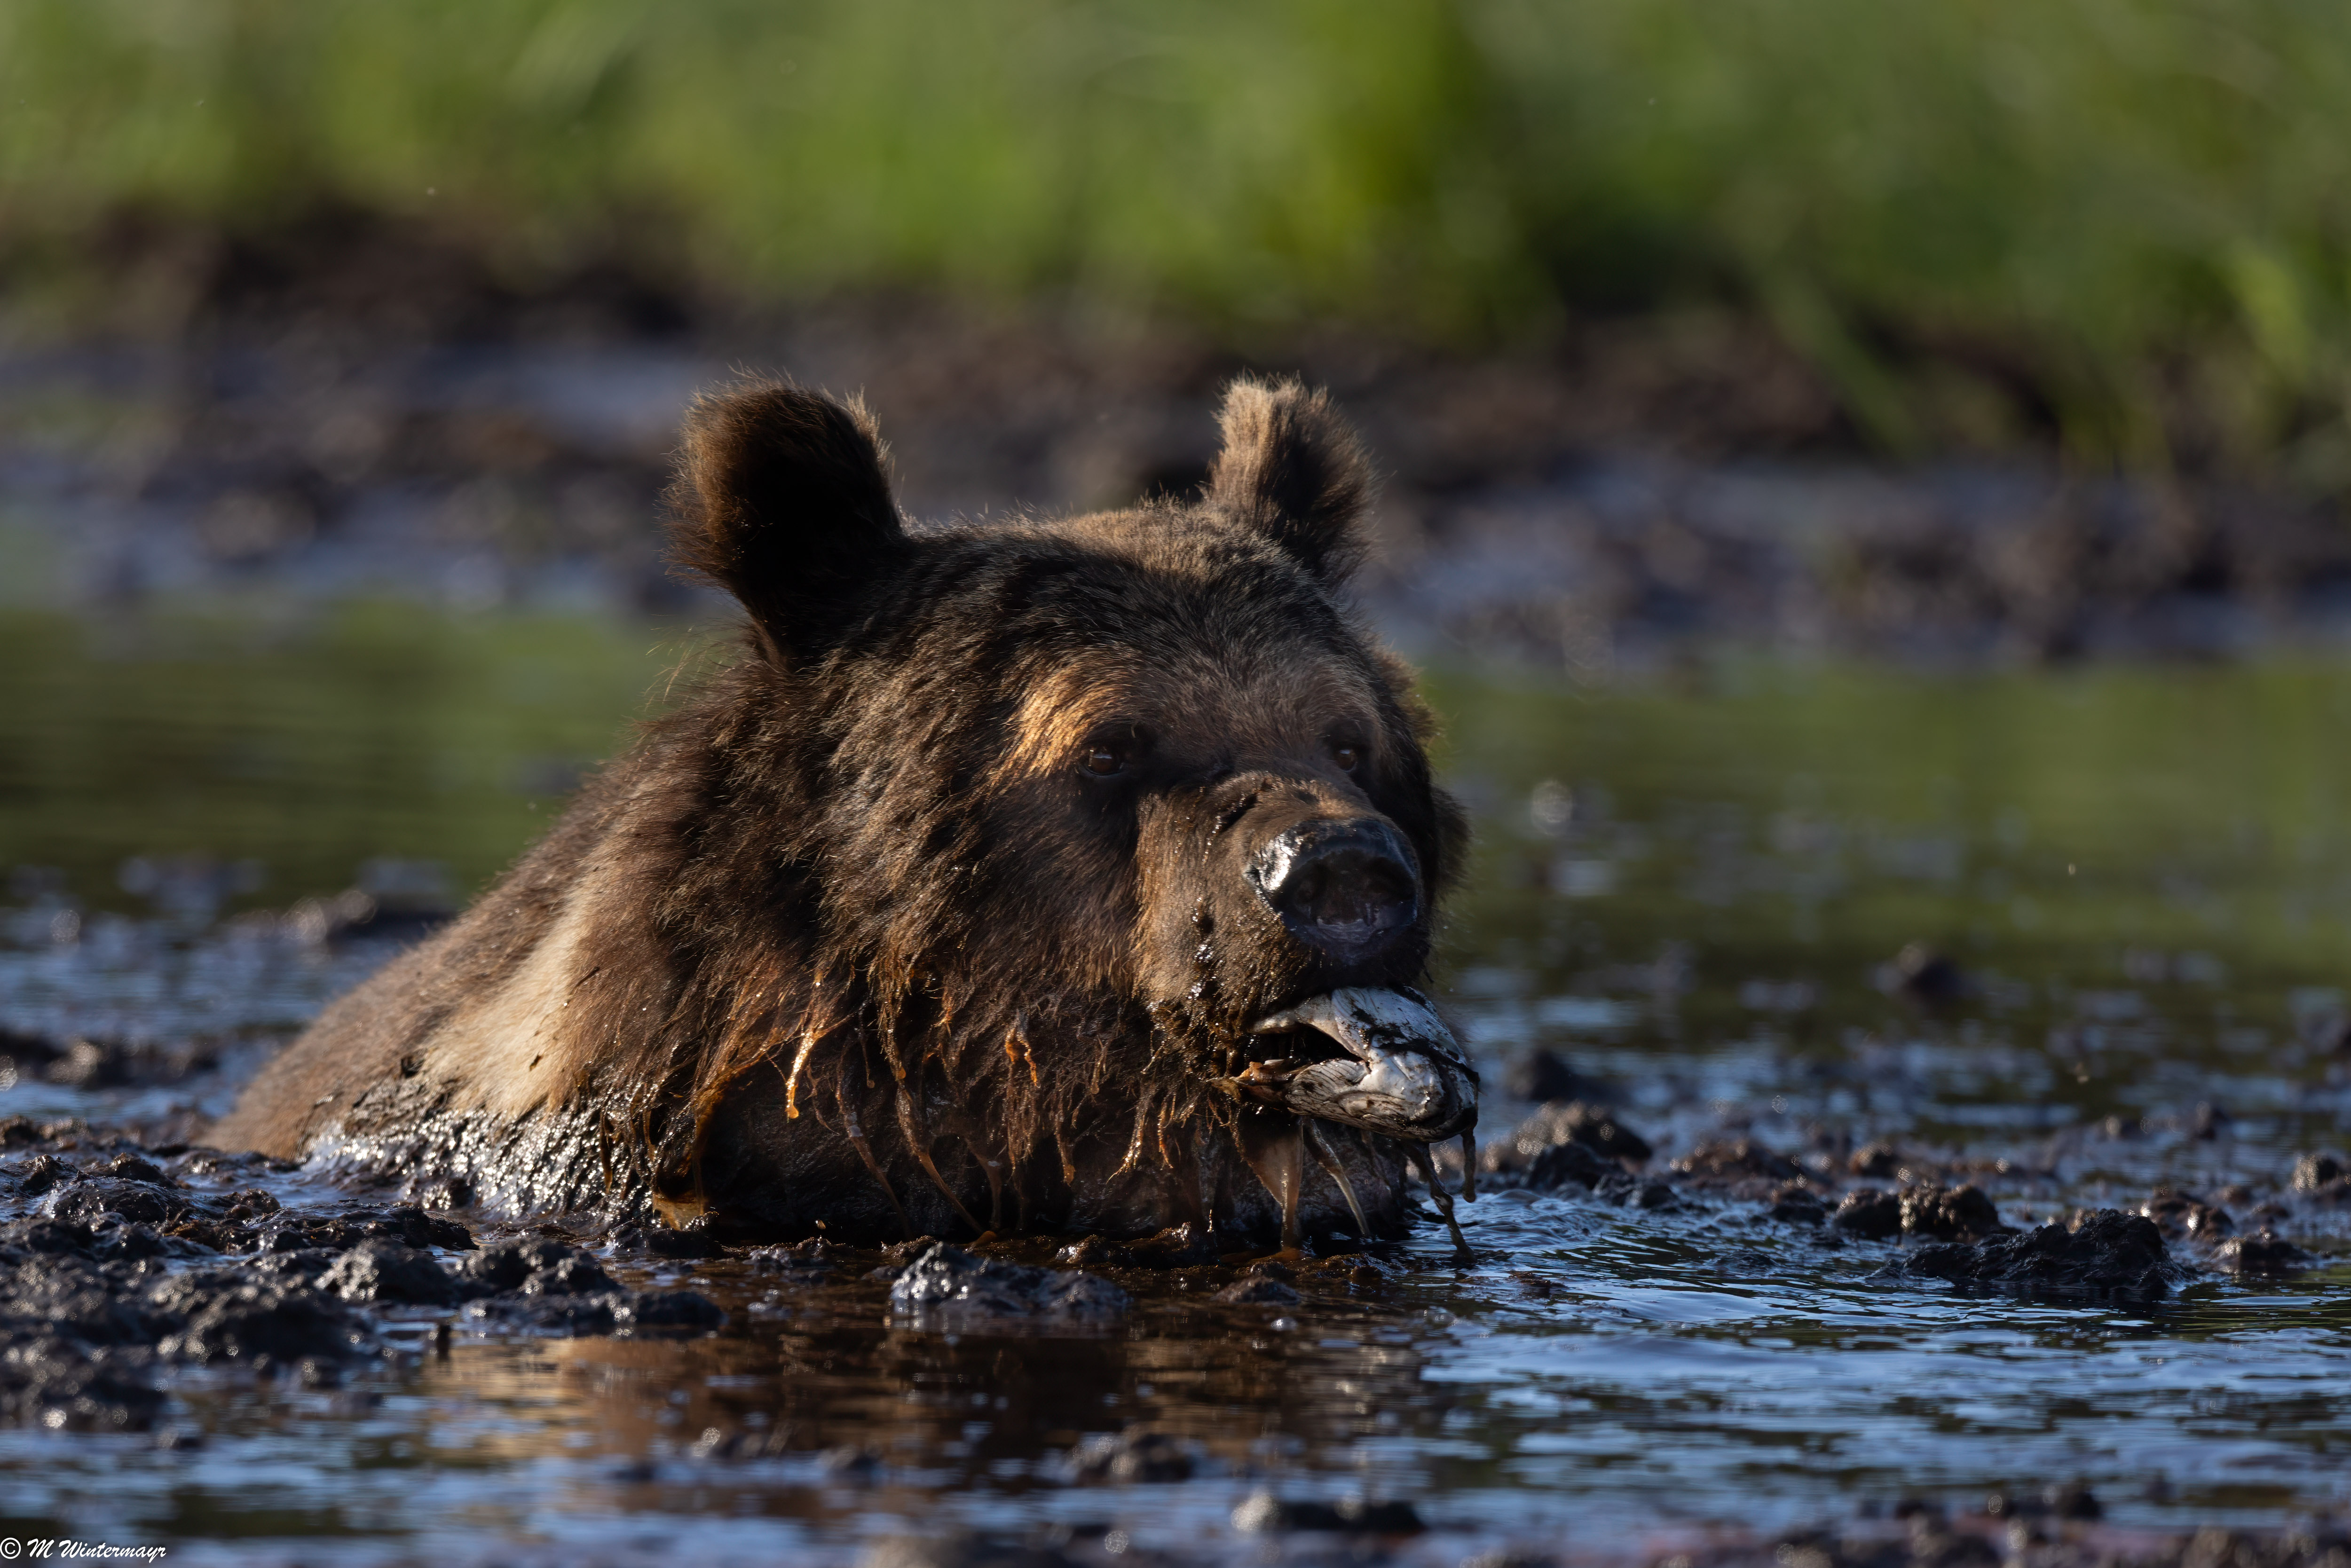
<point>946,1286</point>
<point>377,412</point>
<point>118,1264</point>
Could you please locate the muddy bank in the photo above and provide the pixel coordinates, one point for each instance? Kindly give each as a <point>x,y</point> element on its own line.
<point>349,412</point>
<point>120,1264</point>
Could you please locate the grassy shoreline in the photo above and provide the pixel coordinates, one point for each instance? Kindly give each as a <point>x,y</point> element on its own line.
<point>2116,223</point>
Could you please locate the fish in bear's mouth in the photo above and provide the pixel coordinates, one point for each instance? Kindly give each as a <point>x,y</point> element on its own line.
<point>1402,1074</point>
<point>1399,1073</point>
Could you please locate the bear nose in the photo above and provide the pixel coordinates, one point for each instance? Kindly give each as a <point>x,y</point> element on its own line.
<point>1346,886</point>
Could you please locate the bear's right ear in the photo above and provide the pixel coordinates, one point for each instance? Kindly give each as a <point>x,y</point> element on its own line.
<point>1292,470</point>
<point>781,499</point>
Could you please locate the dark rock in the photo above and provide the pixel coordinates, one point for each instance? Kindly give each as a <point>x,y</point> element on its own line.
<point>408,1223</point>
<point>800,1259</point>
<point>1260,1292</point>
<point>1263,1513</point>
<point>383,1270</point>
<point>1920,974</point>
<point>1950,1214</point>
<point>1543,1076</point>
<point>947,1285</point>
<point>42,1172</point>
<point>1869,1214</point>
<point>1596,1127</point>
<point>1634,1192</point>
<point>51,1236</point>
<point>132,1167</point>
<point>249,1204</point>
<point>90,1197</point>
<point>1133,1456</point>
<point>662,1241</point>
<point>127,1243</point>
<point>1741,1167</point>
<point>2180,1215</point>
<point>534,1265</point>
<point>2106,1254</point>
<point>1882,1161</point>
<point>49,1380</point>
<point>2071,1500</point>
<point>2259,1257</point>
<point>676,1310</point>
<point>308,1266</point>
<point>2318,1174</point>
<point>564,1316</point>
<point>1797,1205</point>
<point>227,1319</point>
<point>579,1274</point>
<point>1565,1164</point>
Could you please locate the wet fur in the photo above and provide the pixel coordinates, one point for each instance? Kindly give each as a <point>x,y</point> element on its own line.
<point>849,940</point>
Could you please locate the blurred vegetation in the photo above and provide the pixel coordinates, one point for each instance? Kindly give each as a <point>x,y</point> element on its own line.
<point>2124,222</point>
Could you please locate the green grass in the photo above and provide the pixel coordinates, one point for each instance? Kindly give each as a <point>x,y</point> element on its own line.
<point>2136,213</point>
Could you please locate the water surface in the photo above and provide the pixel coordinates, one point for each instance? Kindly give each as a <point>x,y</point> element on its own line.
<point>1690,889</point>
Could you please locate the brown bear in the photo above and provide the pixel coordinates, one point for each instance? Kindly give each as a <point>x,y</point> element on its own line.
<point>1041,876</point>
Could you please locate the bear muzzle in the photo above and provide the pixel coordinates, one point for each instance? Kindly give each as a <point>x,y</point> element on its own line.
<point>1347,887</point>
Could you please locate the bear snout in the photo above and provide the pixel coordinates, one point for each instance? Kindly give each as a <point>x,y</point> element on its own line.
<point>1346,886</point>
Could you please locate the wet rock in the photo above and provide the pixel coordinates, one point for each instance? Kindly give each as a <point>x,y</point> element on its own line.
<point>1565,1164</point>
<point>2106,1254</point>
<point>1260,1291</point>
<point>1264,1513</point>
<point>383,1270</point>
<point>802,1259</point>
<point>1950,1214</point>
<point>307,1267</point>
<point>2259,1257</point>
<point>408,1223</point>
<point>1797,1205</point>
<point>1738,1167</point>
<point>2323,1176</point>
<point>663,1241</point>
<point>1920,974</point>
<point>51,1381</point>
<point>1872,1214</point>
<point>43,1172</point>
<point>642,1311</point>
<point>1634,1192</point>
<point>533,1265</point>
<point>227,1318</point>
<point>1133,1456</point>
<point>132,1167</point>
<point>1884,1160</point>
<point>2181,1215</point>
<point>1593,1125</point>
<point>92,1197</point>
<point>1544,1076</point>
<point>949,1285</point>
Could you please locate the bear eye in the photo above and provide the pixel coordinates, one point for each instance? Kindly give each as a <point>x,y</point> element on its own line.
<point>1104,763</point>
<point>1347,754</point>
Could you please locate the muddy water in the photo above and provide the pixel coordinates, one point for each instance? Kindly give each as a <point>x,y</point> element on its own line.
<point>1693,893</point>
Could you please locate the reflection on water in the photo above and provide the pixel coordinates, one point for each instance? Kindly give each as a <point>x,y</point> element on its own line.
<point>2138,882</point>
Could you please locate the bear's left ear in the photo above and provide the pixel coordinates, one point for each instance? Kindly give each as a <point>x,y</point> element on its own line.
<point>1292,469</point>
<point>781,499</point>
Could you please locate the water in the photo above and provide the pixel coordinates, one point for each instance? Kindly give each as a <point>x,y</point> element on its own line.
<point>1690,889</point>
